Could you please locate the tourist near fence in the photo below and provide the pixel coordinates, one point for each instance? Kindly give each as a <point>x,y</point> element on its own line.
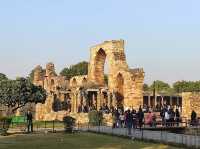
<point>168,117</point>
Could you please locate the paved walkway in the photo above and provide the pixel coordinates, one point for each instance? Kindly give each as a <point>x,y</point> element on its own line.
<point>158,136</point>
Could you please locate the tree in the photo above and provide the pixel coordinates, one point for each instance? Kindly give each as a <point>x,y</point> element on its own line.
<point>17,93</point>
<point>160,86</point>
<point>74,70</point>
<point>3,77</point>
<point>186,86</point>
<point>146,87</point>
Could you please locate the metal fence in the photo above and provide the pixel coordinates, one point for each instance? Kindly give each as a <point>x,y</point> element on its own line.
<point>50,126</point>
<point>162,135</point>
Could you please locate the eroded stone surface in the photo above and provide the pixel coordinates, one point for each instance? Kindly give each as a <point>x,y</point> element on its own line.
<point>190,101</point>
<point>125,85</point>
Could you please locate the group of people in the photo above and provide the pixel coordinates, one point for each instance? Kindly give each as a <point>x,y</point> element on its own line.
<point>129,118</point>
<point>133,119</point>
<point>170,117</point>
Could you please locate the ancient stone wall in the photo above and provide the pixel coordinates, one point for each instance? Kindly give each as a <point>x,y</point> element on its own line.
<point>126,83</point>
<point>38,76</point>
<point>56,87</point>
<point>78,81</point>
<point>190,101</point>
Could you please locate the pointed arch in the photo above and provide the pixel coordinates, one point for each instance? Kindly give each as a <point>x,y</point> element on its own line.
<point>120,88</point>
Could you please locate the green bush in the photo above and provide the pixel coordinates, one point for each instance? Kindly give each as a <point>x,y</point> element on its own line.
<point>95,118</point>
<point>69,123</point>
<point>4,125</point>
<point>18,119</point>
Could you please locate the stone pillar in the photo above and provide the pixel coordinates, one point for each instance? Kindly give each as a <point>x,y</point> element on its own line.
<point>93,99</point>
<point>162,102</point>
<point>109,100</point>
<point>155,101</point>
<point>74,103</point>
<point>98,100</point>
<point>114,100</point>
<point>170,102</point>
<point>177,101</point>
<point>149,101</point>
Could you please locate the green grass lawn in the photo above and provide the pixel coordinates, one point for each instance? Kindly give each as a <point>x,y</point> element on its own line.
<point>73,141</point>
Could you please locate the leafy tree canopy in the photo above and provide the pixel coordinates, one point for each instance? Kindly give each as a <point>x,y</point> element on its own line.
<point>3,77</point>
<point>160,86</point>
<point>17,93</point>
<point>146,87</point>
<point>186,86</point>
<point>75,70</point>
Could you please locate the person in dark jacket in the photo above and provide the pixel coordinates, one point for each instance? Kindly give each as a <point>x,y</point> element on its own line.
<point>177,117</point>
<point>129,121</point>
<point>140,117</point>
<point>29,121</point>
<point>193,118</point>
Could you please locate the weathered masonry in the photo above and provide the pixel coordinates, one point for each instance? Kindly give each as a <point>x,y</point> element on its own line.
<point>124,89</point>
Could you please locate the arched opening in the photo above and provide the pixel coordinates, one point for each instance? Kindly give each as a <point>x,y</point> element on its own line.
<point>120,90</point>
<point>99,64</point>
<point>56,106</point>
<point>74,83</point>
<point>52,84</point>
<point>84,81</point>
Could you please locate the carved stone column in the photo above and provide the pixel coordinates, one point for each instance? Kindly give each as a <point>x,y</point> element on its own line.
<point>74,102</point>
<point>114,100</point>
<point>109,100</point>
<point>98,100</point>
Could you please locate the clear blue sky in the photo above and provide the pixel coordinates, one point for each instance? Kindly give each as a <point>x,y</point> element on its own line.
<point>162,36</point>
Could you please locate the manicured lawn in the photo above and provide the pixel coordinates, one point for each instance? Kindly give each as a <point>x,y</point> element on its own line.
<point>73,141</point>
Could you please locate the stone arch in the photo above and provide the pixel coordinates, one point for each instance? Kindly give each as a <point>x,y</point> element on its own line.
<point>74,82</point>
<point>120,89</point>
<point>99,69</point>
<point>84,81</point>
<point>56,106</point>
<point>52,82</point>
<point>113,51</point>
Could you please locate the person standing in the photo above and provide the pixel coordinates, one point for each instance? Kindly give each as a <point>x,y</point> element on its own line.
<point>193,118</point>
<point>167,118</point>
<point>122,118</point>
<point>134,119</point>
<point>29,121</point>
<point>177,115</point>
<point>149,119</point>
<point>140,117</point>
<point>129,121</point>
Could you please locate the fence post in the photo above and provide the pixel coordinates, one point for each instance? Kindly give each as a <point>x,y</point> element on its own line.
<point>37,126</point>
<point>142,134</point>
<point>99,127</point>
<point>89,127</point>
<point>45,125</point>
<point>161,135</point>
<point>53,127</point>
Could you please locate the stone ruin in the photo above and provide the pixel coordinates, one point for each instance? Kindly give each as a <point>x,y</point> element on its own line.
<point>124,89</point>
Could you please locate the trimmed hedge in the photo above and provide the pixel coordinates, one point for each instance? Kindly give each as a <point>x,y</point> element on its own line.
<point>69,123</point>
